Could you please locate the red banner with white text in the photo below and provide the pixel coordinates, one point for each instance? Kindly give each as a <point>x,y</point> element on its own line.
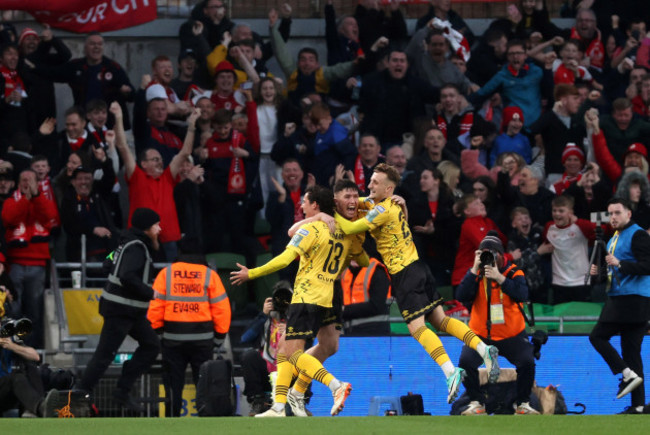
<point>83,16</point>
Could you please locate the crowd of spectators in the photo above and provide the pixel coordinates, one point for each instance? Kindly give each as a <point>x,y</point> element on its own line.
<point>486,131</point>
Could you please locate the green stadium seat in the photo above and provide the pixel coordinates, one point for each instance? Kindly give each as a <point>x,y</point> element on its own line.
<point>262,286</point>
<point>224,263</point>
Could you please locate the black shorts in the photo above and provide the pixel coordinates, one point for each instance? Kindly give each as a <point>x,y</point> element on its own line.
<point>333,316</point>
<point>304,320</point>
<point>414,290</point>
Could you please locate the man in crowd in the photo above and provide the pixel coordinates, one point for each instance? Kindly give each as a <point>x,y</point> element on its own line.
<point>28,216</point>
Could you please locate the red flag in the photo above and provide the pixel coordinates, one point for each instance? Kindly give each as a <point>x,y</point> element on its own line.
<point>83,16</point>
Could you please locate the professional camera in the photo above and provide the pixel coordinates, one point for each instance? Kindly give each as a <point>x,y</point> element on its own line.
<point>10,327</point>
<point>487,258</point>
<point>538,339</point>
<point>281,297</point>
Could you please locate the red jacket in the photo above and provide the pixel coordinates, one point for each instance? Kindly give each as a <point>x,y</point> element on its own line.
<point>28,224</point>
<point>611,168</point>
<point>472,232</point>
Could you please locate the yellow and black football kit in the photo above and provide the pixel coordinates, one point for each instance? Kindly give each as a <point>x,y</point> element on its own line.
<point>412,284</point>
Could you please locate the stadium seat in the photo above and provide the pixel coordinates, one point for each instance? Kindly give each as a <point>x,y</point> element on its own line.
<point>224,263</point>
<point>263,286</point>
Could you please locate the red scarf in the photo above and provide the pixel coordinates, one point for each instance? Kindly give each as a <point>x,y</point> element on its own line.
<point>521,71</point>
<point>169,91</point>
<point>297,209</point>
<point>359,176</point>
<point>237,174</point>
<point>192,90</point>
<point>96,135</point>
<point>465,123</point>
<point>565,182</point>
<point>166,138</point>
<point>45,186</point>
<point>595,51</point>
<point>75,144</point>
<point>13,82</point>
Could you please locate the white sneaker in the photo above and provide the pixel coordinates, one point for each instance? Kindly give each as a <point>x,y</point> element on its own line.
<point>272,413</point>
<point>474,408</point>
<point>491,359</point>
<point>524,408</point>
<point>297,403</point>
<point>340,395</point>
<point>628,384</point>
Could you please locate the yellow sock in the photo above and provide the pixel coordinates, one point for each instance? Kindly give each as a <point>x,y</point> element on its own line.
<point>302,383</point>
<point>432,344</point>
<point>461,331</point>
<point>283,380</point>
<point>311,367</point>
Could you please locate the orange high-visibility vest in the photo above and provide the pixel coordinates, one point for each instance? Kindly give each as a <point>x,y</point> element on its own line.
<point>513,319</point>
<point>190,303</point>
<point>355,289</point>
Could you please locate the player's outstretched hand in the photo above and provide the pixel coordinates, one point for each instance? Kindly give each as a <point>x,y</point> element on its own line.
<point>240,276</point>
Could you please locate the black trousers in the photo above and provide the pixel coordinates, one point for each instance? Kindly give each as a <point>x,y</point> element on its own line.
<point>113,333</point>
<point>256,374</point>
<point>631,340</point>
<point>15,388</point>
<point>518,350</point>
<point>176,357</point>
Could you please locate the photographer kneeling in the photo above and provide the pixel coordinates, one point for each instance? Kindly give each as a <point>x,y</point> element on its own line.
<point>499,323</point>
<point>15,387</point>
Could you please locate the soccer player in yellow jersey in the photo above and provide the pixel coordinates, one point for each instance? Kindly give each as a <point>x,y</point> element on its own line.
<point>346,200</point>
<point>412,283</point>
<point>322,257</point>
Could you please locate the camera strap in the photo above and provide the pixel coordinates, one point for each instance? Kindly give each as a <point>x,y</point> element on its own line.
<point>510,273</point>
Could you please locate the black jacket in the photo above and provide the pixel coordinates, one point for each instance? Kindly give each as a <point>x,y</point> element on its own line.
<point>130,273</point>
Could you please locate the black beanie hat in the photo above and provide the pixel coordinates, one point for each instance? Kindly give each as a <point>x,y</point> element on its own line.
<point>143,218</point>
<point>492,242</point>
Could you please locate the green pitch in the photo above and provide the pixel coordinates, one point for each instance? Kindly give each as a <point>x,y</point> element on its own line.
<point>545,424</point>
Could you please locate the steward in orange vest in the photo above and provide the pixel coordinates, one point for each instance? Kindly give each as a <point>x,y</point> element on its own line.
<point>191,310</point>
<point>499,322</point>
<point>366,293</point>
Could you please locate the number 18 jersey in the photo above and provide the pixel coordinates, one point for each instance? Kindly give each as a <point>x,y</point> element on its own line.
<point>322,256</point>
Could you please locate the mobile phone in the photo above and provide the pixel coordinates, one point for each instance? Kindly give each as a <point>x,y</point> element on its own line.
<point>246,86</point>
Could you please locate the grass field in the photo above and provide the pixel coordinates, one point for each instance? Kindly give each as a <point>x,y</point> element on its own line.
<point>545,424</point>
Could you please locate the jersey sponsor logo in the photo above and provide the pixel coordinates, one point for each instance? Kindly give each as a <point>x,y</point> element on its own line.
<point>372,214</point>
<point>296,239</point>
<point>303,232</point>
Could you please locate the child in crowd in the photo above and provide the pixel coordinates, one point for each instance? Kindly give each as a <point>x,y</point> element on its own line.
<point>511,138</point>
<point>569,238</point>
<point>528,252</point>
<point>472,232</point>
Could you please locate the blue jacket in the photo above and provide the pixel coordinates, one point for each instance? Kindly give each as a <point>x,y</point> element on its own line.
<point>517,143</point>
<point>633,275</point>
<point>523,90</point>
